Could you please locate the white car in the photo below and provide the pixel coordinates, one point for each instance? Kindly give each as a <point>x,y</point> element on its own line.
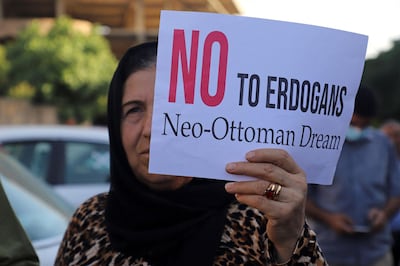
<point>42,213</point>
<point>74,160</point>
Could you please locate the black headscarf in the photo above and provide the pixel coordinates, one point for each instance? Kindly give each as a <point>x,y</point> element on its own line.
<point>180,227</point>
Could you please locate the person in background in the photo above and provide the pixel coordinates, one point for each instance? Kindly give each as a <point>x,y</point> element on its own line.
<point>351,216</point>
<point>152,219</point>
<point>15,246</point>
<point>392,129</point>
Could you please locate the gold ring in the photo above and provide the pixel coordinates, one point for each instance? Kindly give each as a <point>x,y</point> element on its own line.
<point>272,191</point>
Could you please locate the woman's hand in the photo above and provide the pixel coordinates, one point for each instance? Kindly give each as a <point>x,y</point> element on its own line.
<point>286,212</point>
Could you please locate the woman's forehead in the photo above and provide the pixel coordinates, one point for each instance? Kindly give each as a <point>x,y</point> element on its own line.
<point>140,83</point>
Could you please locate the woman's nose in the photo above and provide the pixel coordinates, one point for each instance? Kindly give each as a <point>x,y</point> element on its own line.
<point>147,125</point>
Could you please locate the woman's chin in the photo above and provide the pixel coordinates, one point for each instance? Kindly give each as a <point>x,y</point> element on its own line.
<point>166,182</point>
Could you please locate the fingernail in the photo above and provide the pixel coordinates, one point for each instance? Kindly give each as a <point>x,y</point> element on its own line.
<point>250,155</point>
<point>230,166</point>
<point>228,186</point>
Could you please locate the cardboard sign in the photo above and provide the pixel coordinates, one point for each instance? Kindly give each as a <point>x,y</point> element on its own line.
<point>228,84</point>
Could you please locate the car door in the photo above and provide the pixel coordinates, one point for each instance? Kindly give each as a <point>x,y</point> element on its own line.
<point>38,156</point>
<point>85,171</point>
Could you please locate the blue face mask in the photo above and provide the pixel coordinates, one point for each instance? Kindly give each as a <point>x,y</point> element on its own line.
<point>354,133</point>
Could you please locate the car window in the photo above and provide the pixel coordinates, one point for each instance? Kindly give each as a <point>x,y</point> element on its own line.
<point>33,155</point>
<point>39,219</point>
<point>86,163</point>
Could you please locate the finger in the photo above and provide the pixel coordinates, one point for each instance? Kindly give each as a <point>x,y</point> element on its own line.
<point>270,208</point>
<point>247,187</point>
<point>278,157</point>
<point>259,188</point>
<point>347,229</point>
<point>373,213</point>
<point>266,171</point>
<point>347,225</point>
<point>348,221</point>
<point>378,219</point>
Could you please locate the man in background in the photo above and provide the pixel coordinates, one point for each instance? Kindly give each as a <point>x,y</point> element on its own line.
<point>352,215</point>
<point>391,128</point>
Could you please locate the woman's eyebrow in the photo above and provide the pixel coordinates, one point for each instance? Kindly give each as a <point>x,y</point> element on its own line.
<point>131,103</point>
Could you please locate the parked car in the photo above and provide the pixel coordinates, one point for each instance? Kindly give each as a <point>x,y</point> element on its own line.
<point>42,213</point>
<point>73,159</point>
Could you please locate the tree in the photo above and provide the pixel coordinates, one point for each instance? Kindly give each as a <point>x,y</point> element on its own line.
<point>383,75</point>
<point>65,67</point>
<point>4,68</point>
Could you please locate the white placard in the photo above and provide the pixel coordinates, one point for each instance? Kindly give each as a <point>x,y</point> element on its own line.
<point>228,84</point>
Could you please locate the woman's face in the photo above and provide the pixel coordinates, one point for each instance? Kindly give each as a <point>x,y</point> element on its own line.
<point>137,108</point>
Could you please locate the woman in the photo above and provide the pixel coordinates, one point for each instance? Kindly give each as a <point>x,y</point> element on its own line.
<point>149,219</point>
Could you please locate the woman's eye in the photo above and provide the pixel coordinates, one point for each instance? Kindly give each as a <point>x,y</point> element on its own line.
<point>133,110</point>
<point>133,113</point>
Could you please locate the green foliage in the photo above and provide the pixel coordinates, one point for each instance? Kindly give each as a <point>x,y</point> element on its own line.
<point>383,75</point>
<point>65,67</point>
<point>4,68</point>
<point>22,90</point>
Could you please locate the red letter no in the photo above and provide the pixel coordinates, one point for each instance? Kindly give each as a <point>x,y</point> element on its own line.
<point>189,70</point>
<point>215,36</point>
<point>188,73</point>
